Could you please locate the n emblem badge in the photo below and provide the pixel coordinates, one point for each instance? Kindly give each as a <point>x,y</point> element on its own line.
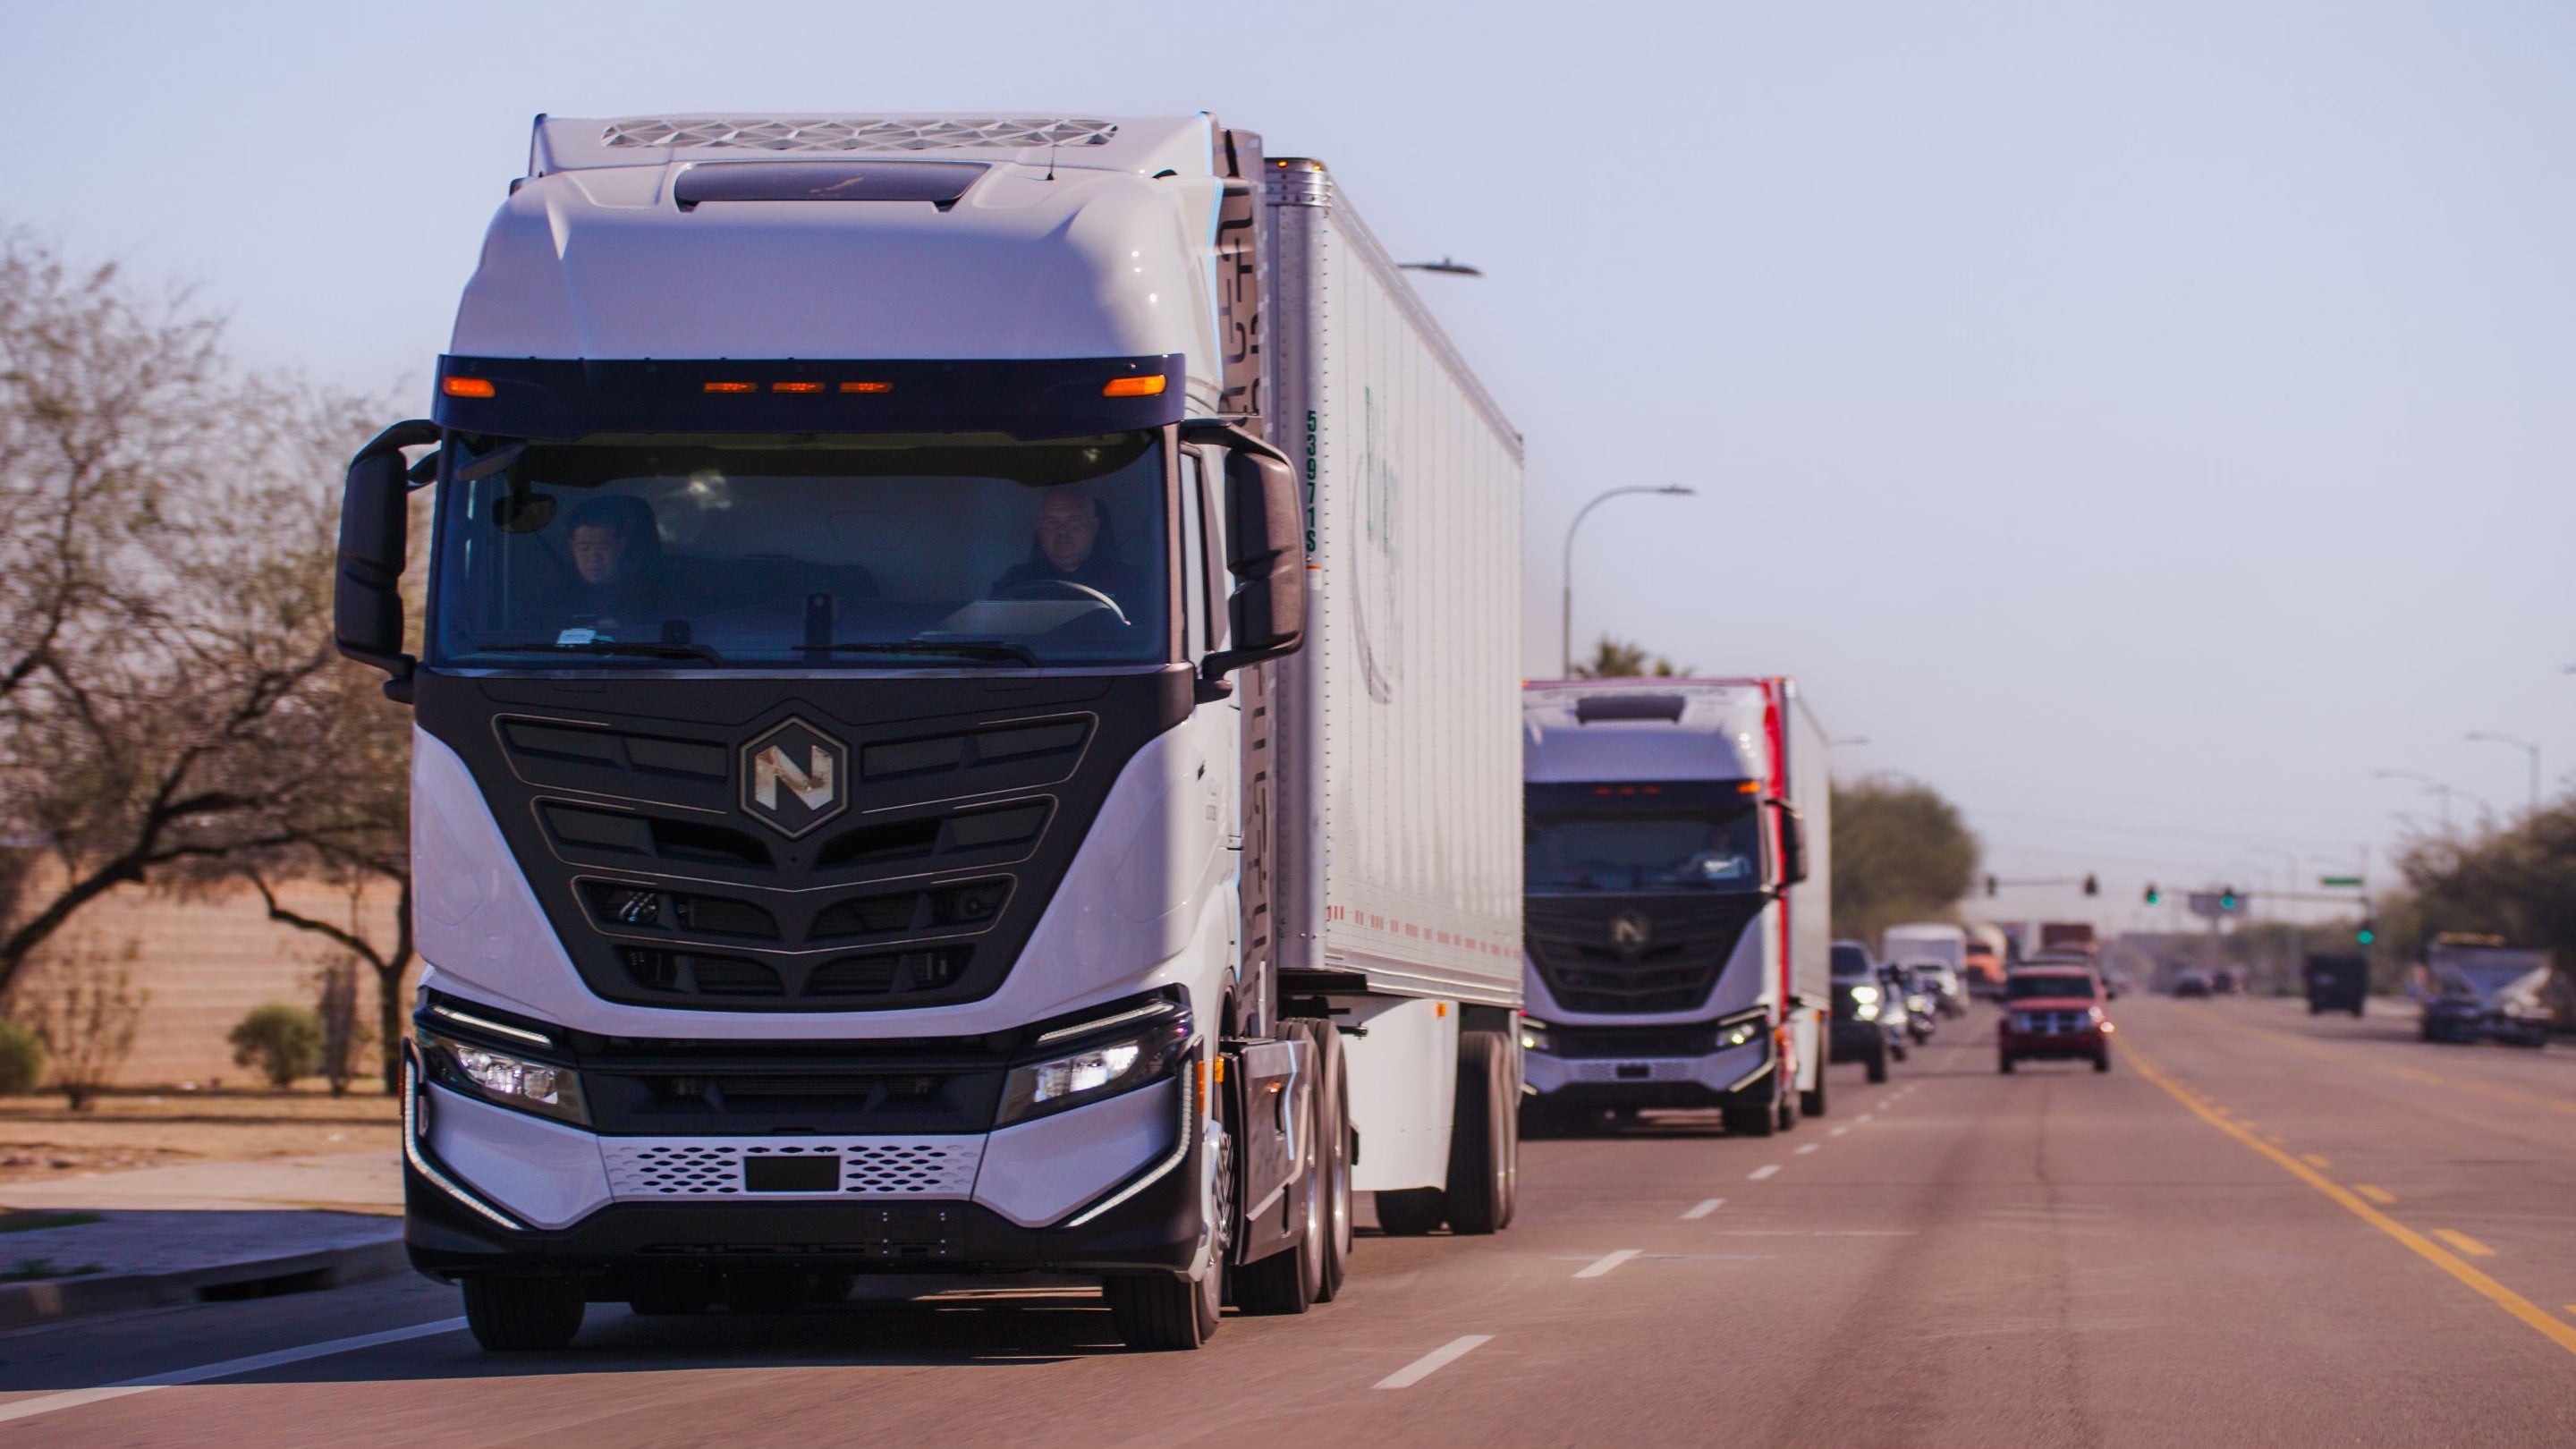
<point>794,778</point>
<point>1630,931</point>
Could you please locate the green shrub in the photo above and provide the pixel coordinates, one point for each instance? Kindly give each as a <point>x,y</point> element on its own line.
<point>283,1041</point>
<point>22,1059</point>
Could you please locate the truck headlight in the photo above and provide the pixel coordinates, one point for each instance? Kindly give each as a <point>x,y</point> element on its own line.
<point>1738,1034</point>
<point>505,1080</point>
<point>1533,1035</point>
<point>1134,1058</point>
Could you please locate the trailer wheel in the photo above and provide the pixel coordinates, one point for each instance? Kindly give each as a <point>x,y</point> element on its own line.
<point>521,1315</point>
<point>1479,1193</point>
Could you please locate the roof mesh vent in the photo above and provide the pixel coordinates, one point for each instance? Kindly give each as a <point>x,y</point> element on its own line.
<point>860,133</point>
<point>1593,708</point>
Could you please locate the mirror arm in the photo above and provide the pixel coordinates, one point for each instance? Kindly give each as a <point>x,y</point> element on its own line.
<point>1212,682</point>
<point>1227,435</point>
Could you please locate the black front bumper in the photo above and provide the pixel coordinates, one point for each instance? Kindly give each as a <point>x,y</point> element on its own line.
<point>1160,1227</point>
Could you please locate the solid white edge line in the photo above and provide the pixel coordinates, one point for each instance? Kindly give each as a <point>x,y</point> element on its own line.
<point>1703,1209</point>
<point>1763,1171</point>
<point>1434,1361</point>
<point>1606,1262</point>
<point>75,1398</point>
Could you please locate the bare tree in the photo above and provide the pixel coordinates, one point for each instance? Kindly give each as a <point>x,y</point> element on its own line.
<point>169,695</point>
<point>83,1003</point>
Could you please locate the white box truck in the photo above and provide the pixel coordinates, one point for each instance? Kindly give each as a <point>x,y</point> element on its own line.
<point>966,725</point>
<point>1679,924</point>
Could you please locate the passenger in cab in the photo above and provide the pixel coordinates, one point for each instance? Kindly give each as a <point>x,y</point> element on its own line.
<point>1073,553</point>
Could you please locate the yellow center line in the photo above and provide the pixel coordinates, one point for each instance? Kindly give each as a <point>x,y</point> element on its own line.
<point>2316,1160</point>
<point>2449,1262</point>
<point>2464,1242</point>
<point>2379,1195</point>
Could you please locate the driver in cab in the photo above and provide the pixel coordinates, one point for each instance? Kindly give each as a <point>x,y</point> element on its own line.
<point>1073,553</point>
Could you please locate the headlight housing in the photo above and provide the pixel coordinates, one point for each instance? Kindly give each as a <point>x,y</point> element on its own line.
<point>1533,1034</point>
<point>503,1079</point>
<point>1736,1034</point>
<point>1127,1054</point>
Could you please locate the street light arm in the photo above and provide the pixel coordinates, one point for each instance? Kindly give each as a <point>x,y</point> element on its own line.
<point>1566,570</point>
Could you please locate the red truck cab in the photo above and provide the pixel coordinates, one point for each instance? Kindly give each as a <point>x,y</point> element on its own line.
<point>2053,1012</point>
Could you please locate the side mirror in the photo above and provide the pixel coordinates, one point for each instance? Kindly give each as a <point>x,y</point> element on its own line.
<point>1265,544</point>
<point>1793,843</point>
<point>375,509</point>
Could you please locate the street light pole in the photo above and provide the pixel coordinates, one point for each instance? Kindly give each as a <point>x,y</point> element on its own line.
<point>1672,490</point>
<point>2428,782</point>
<point>2527,747</point>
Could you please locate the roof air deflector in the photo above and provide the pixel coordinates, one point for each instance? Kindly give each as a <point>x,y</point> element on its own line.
<point>1594,708</point>
<point>937,182</point>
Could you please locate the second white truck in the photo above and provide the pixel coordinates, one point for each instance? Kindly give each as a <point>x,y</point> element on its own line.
<point>1679,951</point>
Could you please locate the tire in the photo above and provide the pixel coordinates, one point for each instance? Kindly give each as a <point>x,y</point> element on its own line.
<point>1479,1190</point>
<point>1750,1119</point>
<point>1897,1049</point>
<point>1411,1212</point>
<point>2102,1060</point>
<point>523,1315</point>
<point>1878,1065</point>
<point>1291,1281</point>
<point>1161,1312</point>
<point>1786,1104</point>
<point>2004,1065</point>
<point>1333,1097</point>
<point>1812,1101</point>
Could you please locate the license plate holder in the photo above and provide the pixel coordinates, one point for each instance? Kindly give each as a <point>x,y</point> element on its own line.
<point>804,1172</point>
<point>1636,1072</point>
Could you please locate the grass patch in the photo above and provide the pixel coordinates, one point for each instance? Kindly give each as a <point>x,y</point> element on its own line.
<point>31,1269</point>
<point>28,1222</point>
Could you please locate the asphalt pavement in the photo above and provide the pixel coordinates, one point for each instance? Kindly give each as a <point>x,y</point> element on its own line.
<point>2259,1228</point>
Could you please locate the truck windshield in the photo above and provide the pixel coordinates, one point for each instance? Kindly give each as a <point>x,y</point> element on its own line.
<point>1693,835</point>
<point>898,552</point>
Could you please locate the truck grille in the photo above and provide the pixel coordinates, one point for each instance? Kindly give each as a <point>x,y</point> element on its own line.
<point>2050,1023</point>
<point>1632,1042</point>
<point>1674,969</point>
<point>924,1167</point>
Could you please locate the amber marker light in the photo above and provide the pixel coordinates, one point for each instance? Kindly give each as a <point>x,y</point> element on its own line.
<point>796,387</point>
<point>867,387</point>
<point>733,387</point>
<point>1134,386</point>
<point>466,386</point>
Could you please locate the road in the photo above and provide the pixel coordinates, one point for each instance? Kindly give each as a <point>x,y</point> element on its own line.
<point>2259,1228</point>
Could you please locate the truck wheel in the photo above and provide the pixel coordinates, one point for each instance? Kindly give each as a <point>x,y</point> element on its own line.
<point>1411,1212</point>
<point>1878,1064</point>
<point>1333,1134</point>
<point>1786,1104</point>
<point>1161,1312</point>
<point>1479,1191</point>
<point>522,1315</point>
<point>1750,1119</point>
<point>1812,1101</point>
<point>2102,1060</point>
<point>1290,1281</point>
<point>2004,1064</point>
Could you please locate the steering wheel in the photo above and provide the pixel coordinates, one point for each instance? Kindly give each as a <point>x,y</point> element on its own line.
<point>1036,589</point>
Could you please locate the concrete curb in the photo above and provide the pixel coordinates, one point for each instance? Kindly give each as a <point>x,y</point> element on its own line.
<point>48,1300</point>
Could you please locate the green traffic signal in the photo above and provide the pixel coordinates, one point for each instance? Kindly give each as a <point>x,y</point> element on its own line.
<point>2366,934</point>
<point>2153,895</point>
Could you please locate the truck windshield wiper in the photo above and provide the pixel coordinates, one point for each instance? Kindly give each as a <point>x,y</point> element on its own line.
<point>650,648</point>
<point>963,648</point>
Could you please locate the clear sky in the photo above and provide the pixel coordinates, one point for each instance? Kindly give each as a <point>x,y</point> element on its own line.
<point>2142,422</point>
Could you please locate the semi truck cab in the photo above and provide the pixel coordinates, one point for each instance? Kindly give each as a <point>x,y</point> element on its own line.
<point>1676,919</point>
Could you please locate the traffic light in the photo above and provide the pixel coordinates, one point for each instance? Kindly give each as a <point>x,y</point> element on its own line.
<point>2153,895</point>
<point>2092,884</point>
<point>2227,898</point>
<point>2365,933</point>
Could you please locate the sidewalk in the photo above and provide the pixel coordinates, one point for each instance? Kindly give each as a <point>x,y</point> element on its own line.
<point>170,1235</point>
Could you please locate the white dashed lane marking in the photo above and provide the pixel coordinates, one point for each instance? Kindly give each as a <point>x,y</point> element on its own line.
<point>1434,1361</point>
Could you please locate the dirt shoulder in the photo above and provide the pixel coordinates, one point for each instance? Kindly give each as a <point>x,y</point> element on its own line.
<point>42,1141</point>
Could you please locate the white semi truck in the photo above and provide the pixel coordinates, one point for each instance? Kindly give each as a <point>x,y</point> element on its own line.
<point>967,724</point>
<point>1679,926</point>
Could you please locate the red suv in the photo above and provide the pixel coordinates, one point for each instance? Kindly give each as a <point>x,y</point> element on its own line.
<point>2053,1012</point>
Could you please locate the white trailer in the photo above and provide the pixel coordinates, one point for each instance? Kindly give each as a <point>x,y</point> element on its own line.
<point>1679,915</point>
<point>967,724</point>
